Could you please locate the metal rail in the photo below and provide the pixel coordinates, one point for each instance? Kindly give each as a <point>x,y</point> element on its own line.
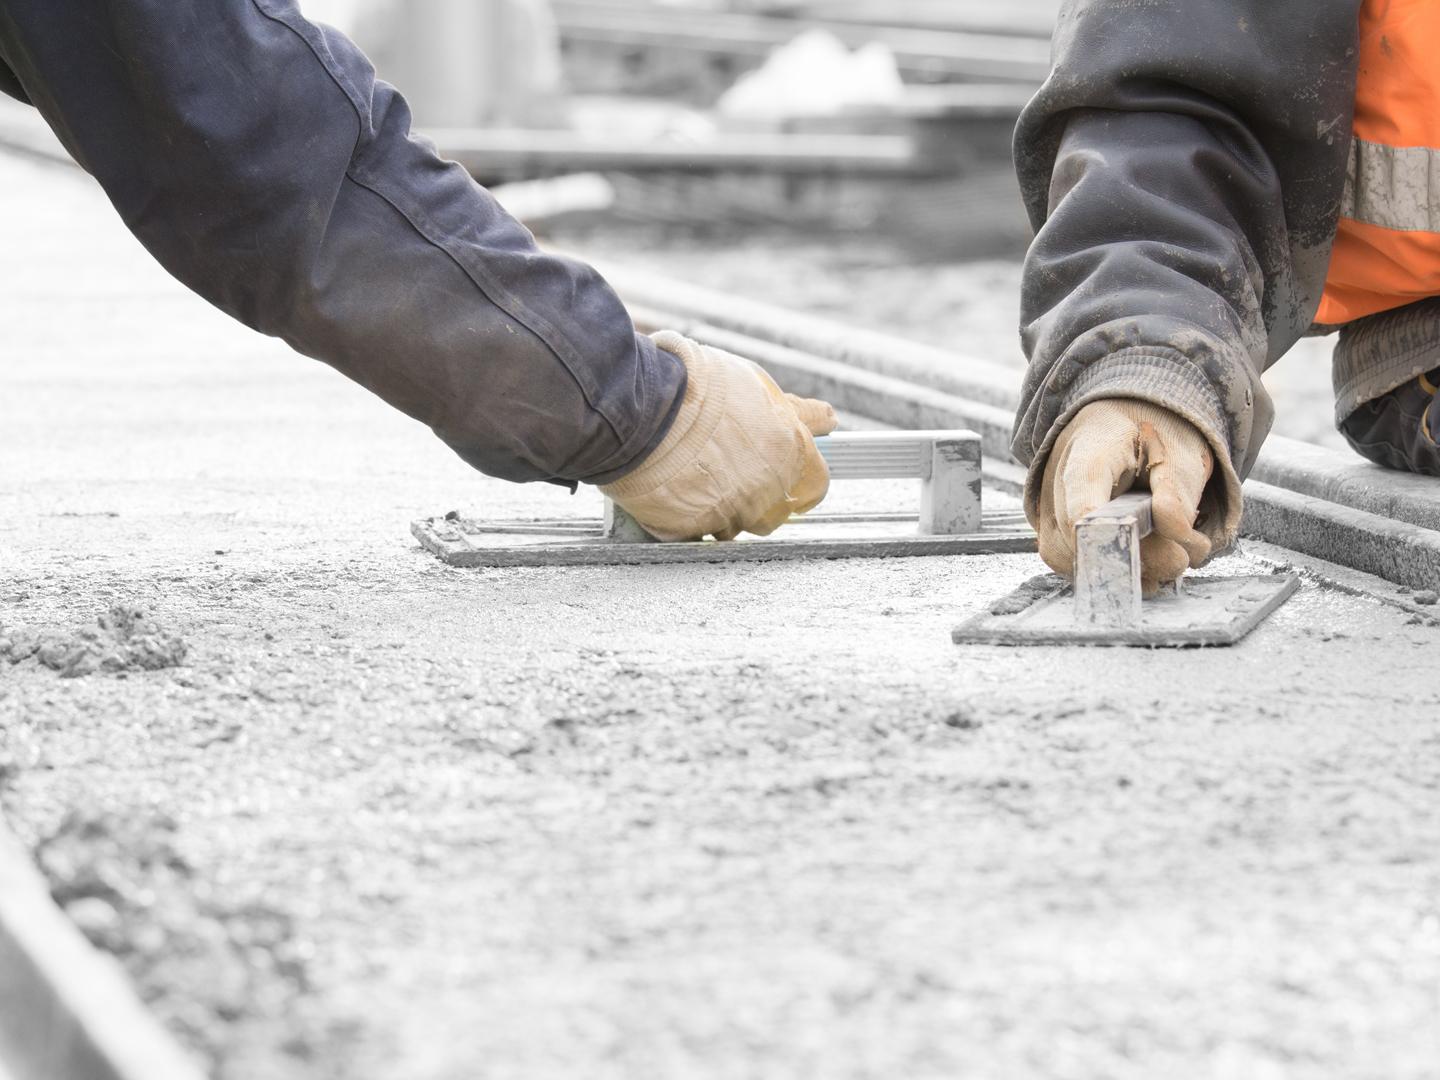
<point>1324,503</point>
<point>947,464</point>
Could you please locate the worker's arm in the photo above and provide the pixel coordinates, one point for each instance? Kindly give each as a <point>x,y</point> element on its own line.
<point>1183,167</point>
<point>258,158</point>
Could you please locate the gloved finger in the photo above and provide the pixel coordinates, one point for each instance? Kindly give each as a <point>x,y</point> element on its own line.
<point>771,520</point>
<point>771,386</point>
<point>1098,466</point>
<point>1161,561</point>
<point>1174,506</point>
<point>1057,555</point>
<point>1177,476</point>
<point>814,481</point>
<point>1174,520</point>
<point>818,416</point>
<point>1056,545</point>
<point>809,489</point>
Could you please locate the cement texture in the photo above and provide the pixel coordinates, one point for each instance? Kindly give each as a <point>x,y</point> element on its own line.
<point>393,819</point>
<point>121,639</point>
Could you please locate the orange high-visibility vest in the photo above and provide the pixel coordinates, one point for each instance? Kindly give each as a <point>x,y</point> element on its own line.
<point>1387,248</point>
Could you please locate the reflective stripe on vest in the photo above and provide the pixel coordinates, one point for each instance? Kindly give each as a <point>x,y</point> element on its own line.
<point>1394,187</point>
<point>1387,247</point>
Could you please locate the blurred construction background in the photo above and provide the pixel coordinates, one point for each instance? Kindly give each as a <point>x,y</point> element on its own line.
<point>844,114</point>
<point>848,158</point>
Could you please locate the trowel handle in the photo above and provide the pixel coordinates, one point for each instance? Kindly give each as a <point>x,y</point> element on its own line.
<point>947,464</point>
<point>1107,561</point>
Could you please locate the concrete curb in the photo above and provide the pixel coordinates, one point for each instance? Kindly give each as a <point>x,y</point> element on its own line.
<point>1325,503</point>
<point>1337,476</point>
<point>67,1011</point>
<point>1394,550</point>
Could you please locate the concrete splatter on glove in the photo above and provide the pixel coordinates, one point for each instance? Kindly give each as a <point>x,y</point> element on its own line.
<point>1109,447</point>
<point>740,456</point>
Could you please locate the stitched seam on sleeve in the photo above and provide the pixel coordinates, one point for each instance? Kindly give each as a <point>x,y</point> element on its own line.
<point>326,60</point>
<point>493,291</point>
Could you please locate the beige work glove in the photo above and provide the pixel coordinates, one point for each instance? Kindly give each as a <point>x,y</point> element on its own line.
<point>1109,447</point>
<point>739,457</point>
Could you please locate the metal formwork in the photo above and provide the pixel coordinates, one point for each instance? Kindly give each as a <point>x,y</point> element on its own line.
<point>950,519</point>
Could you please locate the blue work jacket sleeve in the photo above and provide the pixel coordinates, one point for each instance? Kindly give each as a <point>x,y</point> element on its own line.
<point>257,157</point>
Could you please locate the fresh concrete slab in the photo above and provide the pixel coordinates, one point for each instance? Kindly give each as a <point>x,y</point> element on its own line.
<point>396,819</point>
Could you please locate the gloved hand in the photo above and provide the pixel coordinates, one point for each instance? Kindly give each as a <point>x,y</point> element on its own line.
<point>1108,447</point>
<point>740,455</point>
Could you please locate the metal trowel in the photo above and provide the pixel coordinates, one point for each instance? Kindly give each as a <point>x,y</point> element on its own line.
<point>1104,606</point>
<point>950,519</point>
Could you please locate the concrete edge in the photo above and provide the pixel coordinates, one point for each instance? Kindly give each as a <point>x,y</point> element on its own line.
<point>1343,579</point>
<point>1339,476</point>
<point>1388,547</point>
<point>68,1011</point>
<point>1397,551</point>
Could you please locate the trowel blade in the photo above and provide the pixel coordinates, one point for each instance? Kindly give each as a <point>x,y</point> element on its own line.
<point>1208,611</point>
<point>459,541</point>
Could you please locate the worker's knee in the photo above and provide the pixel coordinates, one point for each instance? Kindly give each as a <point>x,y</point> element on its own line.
<point>1398,429</point>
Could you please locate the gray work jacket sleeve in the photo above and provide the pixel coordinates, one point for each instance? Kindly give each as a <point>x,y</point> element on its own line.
<point>261,162</point>
<point>1183,167</point>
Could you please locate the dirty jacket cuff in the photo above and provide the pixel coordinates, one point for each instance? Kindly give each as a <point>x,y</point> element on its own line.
<point>693,425</point>
<point>1166,378</point>
<point>662,382</point>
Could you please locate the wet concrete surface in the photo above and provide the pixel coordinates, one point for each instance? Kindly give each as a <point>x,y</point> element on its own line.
<point>394,819</point>
<point>122,639</point>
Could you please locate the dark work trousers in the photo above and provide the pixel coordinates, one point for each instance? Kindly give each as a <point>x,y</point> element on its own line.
<point>1398,429</point>
<point>256,156</point>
